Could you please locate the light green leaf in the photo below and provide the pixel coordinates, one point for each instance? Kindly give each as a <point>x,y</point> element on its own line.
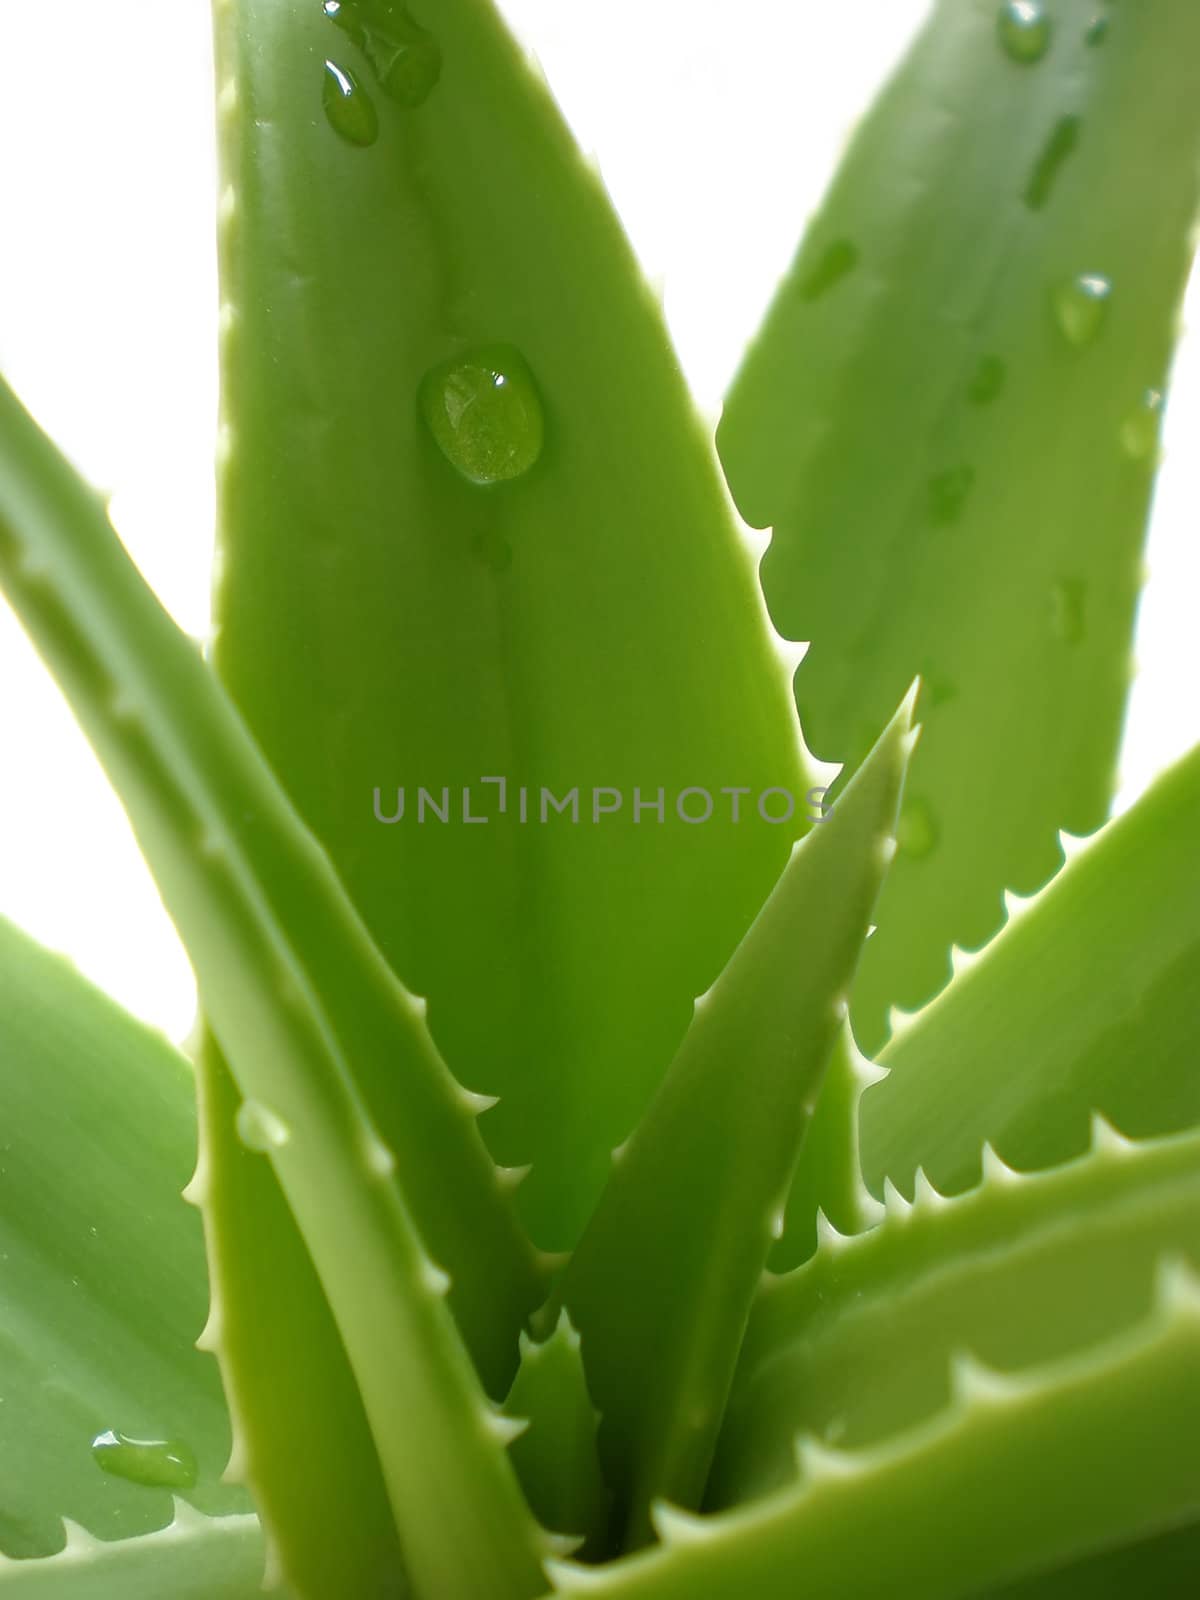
<point>194,1558</point>
<point>103,1284</point>
<point>367,1131</point>
<point>556,1456</point>
<point>1085,1002</point>
<point>591,626</point>
<point>303,1443</point>
<point>1019,1474</point>
<point>662,1281</point>
<point>945,421</point>
<point>855,1346</point>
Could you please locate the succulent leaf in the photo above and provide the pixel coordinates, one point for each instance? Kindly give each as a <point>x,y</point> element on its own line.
<point>945,422</point>
<point>101,1262</point>
<point>587,626</point>
<point>662,1281</point>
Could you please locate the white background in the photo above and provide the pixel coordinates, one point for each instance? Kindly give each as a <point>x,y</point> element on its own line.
<point>716,126</point>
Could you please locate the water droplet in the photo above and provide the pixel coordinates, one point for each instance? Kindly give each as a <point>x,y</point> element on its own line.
<point>1097,32</point>
<point>405,57</point>
<point>484,411</point>
<point>1140,430</point>
<point>987,381</point>
<point>156,1463</point>
<point>349,107</point>
<point>1081,305</point>
<point>1025,30</point>
<point>1067,599</point>
<point>917,830</point>
<point>949,492</point>
<point>1059,147</point>
<point>494,550</point>
<point>259,1128</point>
<point>837,261</point>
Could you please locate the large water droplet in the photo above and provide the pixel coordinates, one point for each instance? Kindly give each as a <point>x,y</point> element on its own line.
<point>1025,30</point>
<point>156,1463</point>
<point>1081,305</point>
<point>404,56</point>
<point>987,381</point>
<point>836,262</point>
<point>1140,430</point>
<point>349,107</point>
<point>949,492</point>
<point>484,411</point>
<point>917,830</point>
<point>1057,150</point>
<point>1067,601</point>
<point>259,1128</point>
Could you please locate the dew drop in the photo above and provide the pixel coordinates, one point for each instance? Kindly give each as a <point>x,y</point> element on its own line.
<point>1080,307</point>
<point>259,1128</point>
<point>1067,599</point>
<point>156,1463</point>
<point>1097,32</point>
<point>1055,153</point>
<point>917,830</point>
<point>1140,430</point>
<point>349,107</point>
<point>949,492</point>
<point>484,411</point>
<point>837,261</point>
<point>405,57</point>
<point>1025,30</point>
<point>987,381</point>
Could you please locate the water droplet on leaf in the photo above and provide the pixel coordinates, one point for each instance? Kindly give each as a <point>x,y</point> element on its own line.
<point>349,107</point>
<point>837,261</point>
<point>259,1128</point>
<point>1097,33</point>
<point>917,830</point>
<point>1059,147</point>
<point>1080,307</point>
<point>405,57</point>
<point>949,492</point>
<point>484,411</point>
<point>1067,599</point>
<point>1140,430</point>
<point>1025,30</point>
<point>156,1463</point>
<point>987,381</point>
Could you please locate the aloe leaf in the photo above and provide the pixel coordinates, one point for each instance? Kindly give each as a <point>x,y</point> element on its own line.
<point>1084,1002</point>
<point>103,1285</point>
<point>295,991</point>
<point>556,1456</point>
<point>303,1443</point>
<point>1164,1566</point>
<point>194,1558</point>
<point>950,421</point>
<point>855,1345</point>
<point>588,627</point>
<point>662,1281</point>
<point>1018,1474</point>
<point>828,1183</point>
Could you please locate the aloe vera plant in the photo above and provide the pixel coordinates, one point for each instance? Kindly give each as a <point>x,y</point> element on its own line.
<point>576,1211</point>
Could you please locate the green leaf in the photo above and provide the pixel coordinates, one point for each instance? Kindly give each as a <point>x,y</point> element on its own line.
<point>556,1456</point>
<point>194,1558</point>
<point>662,1281</point>
<point>945,422</point>
<point>1018,1475</point>
<point>367,1131</point>
<point>1085,1002</point>
<point>1164,1566</point>
<point>591,626</point>
<point>103,1267</point>
<point>856,1345</point>
<point>303,1443</point>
